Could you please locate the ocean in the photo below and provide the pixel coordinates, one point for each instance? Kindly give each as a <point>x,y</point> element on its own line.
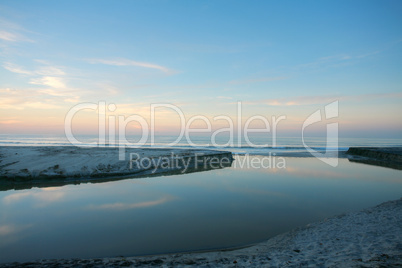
<point>260,145</point>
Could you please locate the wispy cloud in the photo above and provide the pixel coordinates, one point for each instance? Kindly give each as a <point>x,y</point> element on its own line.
<point>368,54</point>
<point>50,81</point>
<point>13,99</point>
<point>48,86</point>
<point>7,104</point>
<point>256,80</point>
<point>326,62</point>
<point>164,95</point>
<point>335,60</point>
<point>224,97</point>
<point>12,32</point>
<point>41,105</point>
<point>336,57</point>
<point>309,100</point>
<point>8,36</point>
<point>48,75</point>
<point>13,37</point>
<point>52,77</point>
<point>16,69</point>
<point>127,62</point>
<point>48,70</point>
<point>9,122</point>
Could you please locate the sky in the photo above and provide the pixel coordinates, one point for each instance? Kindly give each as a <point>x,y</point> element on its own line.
<point>278,58</point>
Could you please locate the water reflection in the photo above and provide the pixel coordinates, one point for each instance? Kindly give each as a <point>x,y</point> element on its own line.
<point>125,206</point>
<point>376,162</point>
<point>38,198</point>
<point>202,210</point>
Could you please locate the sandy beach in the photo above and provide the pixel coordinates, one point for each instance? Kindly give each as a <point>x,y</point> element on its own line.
<point>36,165</point>
<point>368,238</point>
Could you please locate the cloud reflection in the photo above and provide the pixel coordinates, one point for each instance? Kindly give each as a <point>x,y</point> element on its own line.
<point>126,206</point>
<point>12,229</point>
<point>11,233</point>
<point>43,196</point>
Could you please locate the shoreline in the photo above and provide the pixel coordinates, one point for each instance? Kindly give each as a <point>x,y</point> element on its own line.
<point>390,157</point>
<point>24,167</point>
<point>366,238</point>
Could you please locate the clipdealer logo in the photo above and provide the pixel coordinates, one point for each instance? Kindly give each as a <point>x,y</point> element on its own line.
<point>241,131</point>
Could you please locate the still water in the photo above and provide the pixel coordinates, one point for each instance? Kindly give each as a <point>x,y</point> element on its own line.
<point>222,208</point>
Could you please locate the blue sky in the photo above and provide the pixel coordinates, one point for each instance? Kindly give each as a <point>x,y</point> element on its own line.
<point>278,58</point>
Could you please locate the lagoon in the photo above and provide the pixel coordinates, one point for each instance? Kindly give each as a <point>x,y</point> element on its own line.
<point>217,209</point>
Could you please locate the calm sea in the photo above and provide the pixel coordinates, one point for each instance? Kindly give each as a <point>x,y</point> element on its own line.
<point>263,145</point>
